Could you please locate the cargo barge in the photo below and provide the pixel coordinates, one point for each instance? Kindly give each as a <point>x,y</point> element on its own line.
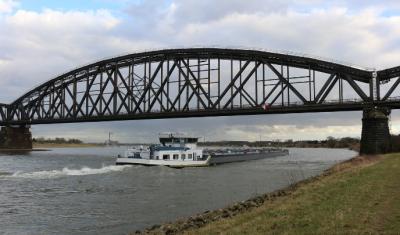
<point>179,150</point>
<point>240,155</point>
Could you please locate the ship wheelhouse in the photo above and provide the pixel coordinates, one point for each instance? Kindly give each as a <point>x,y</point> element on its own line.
<point>176,147</point>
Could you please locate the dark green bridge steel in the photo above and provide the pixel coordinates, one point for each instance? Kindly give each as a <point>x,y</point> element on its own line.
<point>198,82</point>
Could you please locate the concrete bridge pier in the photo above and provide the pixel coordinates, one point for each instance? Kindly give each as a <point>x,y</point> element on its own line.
<point>15,137</point>
<point>375,136</point>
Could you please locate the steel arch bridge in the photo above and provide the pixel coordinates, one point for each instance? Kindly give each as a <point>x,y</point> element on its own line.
<point>202,82</point>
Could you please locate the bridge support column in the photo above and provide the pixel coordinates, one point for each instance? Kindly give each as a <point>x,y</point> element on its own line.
<point>18,137</point>
<point>375,136</point>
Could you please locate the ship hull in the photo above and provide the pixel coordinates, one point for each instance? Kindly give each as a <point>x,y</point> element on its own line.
<point>170,163</point>
<point>228,158</point>
<point>212,159</point>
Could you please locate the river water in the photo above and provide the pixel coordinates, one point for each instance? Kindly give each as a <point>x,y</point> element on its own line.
<point>81,191</point>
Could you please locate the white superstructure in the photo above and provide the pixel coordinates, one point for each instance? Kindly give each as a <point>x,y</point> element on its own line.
<point>175,150</point>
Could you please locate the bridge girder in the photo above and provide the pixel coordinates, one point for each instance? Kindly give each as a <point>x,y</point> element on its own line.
<point>3,113</point>
<point>196,82</point>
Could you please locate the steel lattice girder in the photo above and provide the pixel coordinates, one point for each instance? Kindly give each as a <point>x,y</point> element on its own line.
<point>3,112</point>
<point>194,82</point>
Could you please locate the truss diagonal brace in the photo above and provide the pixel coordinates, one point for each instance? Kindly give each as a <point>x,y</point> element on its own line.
<point>87,92</point>
<point>323,89</point>
<point>39,101</point>
<point>149,85</point>
<point>3,113</point>
<point>186,76</point>
<point>53,104</point>
<point>356,88</point>
<point>197,84</point>
<point>100,97</point>
<point>271,92</point>
<point>239,89</point>
<point>231,83</point>
<point>390,92</point>
<point>329,89</point>
<point>285,81</point>
<point>247,97</point>
<point>160,89</point>
<point>277,95</point>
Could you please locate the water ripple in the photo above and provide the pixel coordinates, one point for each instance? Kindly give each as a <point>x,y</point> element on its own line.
<point>68,172</point>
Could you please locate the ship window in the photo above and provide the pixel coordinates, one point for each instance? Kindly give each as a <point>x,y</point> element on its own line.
<point>176,156</point>
<point>183,156</point>
<point>165,157</point>
<point>189,156</point>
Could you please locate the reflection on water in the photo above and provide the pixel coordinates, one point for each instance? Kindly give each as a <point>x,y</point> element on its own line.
<point>81,191</point>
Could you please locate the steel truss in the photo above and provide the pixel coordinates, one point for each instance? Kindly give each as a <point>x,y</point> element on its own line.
<point>199,82</point>
<point>3,112</point>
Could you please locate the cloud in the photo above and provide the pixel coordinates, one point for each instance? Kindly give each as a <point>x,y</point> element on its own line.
<point>37,45</point>
<point>193,11</point>
<point>7,6</point>
<point>363,37</point>
<point>300,126</point>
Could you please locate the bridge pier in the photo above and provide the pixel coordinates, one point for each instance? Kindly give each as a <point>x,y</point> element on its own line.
<point>15,137</point>
<point>375,136</point>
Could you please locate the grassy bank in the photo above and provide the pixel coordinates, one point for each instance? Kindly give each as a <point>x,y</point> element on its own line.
<point>360,196</point>
<point>63,145</point>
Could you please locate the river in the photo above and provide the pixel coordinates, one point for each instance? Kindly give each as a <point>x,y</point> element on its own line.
<point>81,191</point>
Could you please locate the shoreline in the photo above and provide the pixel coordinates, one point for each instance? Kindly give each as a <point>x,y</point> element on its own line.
<point>47,147</point>
<point>200,220</point>
<point>23,150</point>
<point>54,145</point>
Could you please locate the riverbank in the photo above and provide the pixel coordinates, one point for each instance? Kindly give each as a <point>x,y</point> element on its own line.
<point>354,197</point>
<point>64,145</point>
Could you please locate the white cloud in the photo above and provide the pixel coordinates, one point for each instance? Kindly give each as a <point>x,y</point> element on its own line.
<point>7,6</point>
<point>280,132</point>
<point>365,37</point>
<point>35,46</point>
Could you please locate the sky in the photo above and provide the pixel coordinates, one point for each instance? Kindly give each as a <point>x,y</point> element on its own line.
<point>40,39</point>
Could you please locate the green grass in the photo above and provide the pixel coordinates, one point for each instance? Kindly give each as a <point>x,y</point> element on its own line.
<point>361,198</point>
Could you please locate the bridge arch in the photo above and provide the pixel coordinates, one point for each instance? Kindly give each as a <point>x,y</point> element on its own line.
<point>193,82</point>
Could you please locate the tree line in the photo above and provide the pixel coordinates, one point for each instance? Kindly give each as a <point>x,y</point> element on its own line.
<point>329,142</point>
<point>56,140</point>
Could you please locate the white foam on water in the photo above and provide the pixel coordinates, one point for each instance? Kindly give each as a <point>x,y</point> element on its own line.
<point>69,172</point>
